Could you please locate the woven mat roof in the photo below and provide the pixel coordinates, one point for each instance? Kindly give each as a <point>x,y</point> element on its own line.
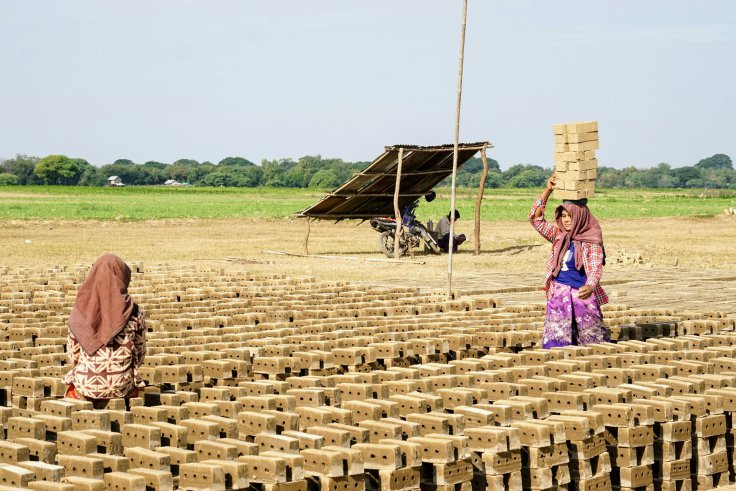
<point>370,193</point>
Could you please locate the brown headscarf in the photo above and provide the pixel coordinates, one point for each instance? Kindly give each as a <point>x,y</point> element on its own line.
<point>585,228</point>
<point>103,306</point>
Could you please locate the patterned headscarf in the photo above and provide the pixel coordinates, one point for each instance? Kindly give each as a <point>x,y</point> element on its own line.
<point>103,306</point>
<point>585,228</point>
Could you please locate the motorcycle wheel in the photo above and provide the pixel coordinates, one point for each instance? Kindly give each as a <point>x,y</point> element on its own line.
<point>386,242</point>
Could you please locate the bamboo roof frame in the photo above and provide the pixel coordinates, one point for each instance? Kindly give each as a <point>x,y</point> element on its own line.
<point>370,192</point>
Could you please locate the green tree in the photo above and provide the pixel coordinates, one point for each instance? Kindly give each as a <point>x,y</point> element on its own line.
<point>324,179</point>
<point>685,174</point>
<point>532,176</point>
<point>229,161</point>
<point>22,166</point>
<point>58,169</point>
<point>7,179</point>
<point>717,161</point>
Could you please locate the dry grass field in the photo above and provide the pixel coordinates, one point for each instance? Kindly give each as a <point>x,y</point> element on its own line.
<point>657,252</point>
<point>342,371</point>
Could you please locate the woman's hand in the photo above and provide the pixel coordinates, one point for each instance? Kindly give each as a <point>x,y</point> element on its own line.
<point>552,182</point>
<point>585,291</point>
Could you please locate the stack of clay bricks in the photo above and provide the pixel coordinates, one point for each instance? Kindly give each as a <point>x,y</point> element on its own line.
<point>590,463</point>
<point>629,437</point>
<point>576,165</point>
<point>381,395</point>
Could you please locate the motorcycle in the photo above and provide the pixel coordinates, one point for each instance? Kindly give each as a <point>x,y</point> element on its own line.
<point>414,233</point>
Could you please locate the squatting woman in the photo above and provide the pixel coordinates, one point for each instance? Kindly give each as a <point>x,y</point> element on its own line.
<point>107,336</point>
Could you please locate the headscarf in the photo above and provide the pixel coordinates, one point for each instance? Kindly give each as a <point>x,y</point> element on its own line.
<point>103,306</point>
<point>585,228</point>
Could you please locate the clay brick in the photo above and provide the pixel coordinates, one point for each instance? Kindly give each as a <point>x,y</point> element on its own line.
<point>85,483</point>
<point>147,415</point>
<point>198,429</point>
<point>250,423</point>
<point>123,481</point>
<point>50,486</point>
<point>90,420</point>
<point>75,443</point>
<point>674,470</point>
<point>396,480</point>
<point>430,423</point>
<point>411,453</point>
<point>590,468</point>
<point>236,473</point>
<point>475,417</point>
<point>708,426</point>
<point>540,433</point>
<point>54,424</point>
<point>671,451</point>
<point>214,449</point>
<point>379,430</point>
<point>546,478</point>
<point>345,483</point>
<point>634,477</point>
<point>43,471</point>
<point>493,439</point>
<point>79,466</point>
<point>499,463</point>
<point>15,476</point>
<point>436,450</point>
<point>277,443</point>
<point>448,474</point>
<point>201,476</point>
<point>408,428</point>
<point>156,480</point>
<point>40,450</point>
<point>331,436</point>
<point>12,453</point>
<point>380,456</point>
<point>503,482</point>
<point>144,436</point>
<point>714,463</point>
<point>266,470</point>
<point>118,419</point>
<point>20,427</point>
<point>587,448</point>
<point>631,456</point>
<point>108,442</point>
<point>147,459</point>
<point>112,463</point>
<point>227,427</point>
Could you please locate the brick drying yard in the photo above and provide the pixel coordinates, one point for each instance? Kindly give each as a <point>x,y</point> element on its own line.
<point>281,373</point>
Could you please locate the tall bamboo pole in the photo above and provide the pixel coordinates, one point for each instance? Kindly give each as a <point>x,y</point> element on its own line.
<point>479,199</point>
<point>455,150</point>
<point>397,212</point>
<point>306,239</point>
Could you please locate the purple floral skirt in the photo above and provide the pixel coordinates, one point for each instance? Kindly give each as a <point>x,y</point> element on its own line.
<point>571,320</point>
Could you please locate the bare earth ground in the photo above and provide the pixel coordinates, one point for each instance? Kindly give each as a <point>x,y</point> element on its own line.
<point>686,263</point>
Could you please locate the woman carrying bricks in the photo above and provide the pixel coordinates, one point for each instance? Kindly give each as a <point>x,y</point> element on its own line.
<point>574,269</point>
<point>107,336</point>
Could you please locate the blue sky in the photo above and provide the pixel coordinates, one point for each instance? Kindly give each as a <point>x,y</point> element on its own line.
<point>210,79</point>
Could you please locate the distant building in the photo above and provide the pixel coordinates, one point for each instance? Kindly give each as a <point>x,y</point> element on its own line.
<point>172,182</point>
<point>115,181</point>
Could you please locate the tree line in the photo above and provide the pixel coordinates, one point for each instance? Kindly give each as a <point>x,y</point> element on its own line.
<point>313,171</point>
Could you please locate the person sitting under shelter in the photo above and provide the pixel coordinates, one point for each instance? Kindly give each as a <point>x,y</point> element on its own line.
<point>443,233</point>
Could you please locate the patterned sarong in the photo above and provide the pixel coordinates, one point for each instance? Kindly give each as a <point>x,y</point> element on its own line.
<point>571,320</point>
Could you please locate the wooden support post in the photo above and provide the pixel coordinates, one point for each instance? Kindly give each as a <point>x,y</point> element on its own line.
<point>306,239</point>
<point>479,199</point>
<point>397,212</point>
<point>451,244</point>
